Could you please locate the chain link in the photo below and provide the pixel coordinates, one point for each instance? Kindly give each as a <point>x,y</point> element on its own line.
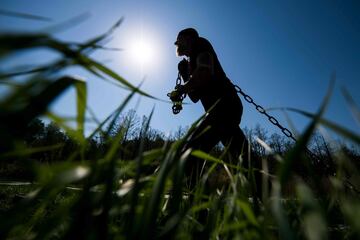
<point>178,84</point>
<point>272,119</point>
<point>177,104</point>
<point>262,110</point>
<point>178,80</point>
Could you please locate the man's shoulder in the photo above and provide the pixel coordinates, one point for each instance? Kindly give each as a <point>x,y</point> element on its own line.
<point>204,45</point>
<point>203,40</point>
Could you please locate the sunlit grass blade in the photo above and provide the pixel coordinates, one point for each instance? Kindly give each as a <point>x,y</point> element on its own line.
<point>81,100</point>
<point>311,214</point>
<point>285,230</point>
<point>29,151</point>
<point>152,208</point>
<point>301,146</point>
<point>52,180</point>
<point>114,115</point>
<point>246,208</point>
<point>136,190</point>
<point>122,106</point>
<point>58,175</point>
<point>151,211</point>
<point>39,103</point>
<point>208,157</point>
<point>152,155</point>
<point>115,76</point>
<point>62,122</point>
<point>169,162</point>
<point>93,43</point>
<point>15,42</point>
<point>36,104</point>
<point>178,178</point>
<point>333,126</point>
<point>176,213</point>
<point>351,210</point>
<point>9,102</point>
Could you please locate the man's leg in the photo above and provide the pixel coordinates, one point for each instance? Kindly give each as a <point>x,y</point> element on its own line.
<point>235,139</point>
<point>238,144</point>
<point>204,138</point>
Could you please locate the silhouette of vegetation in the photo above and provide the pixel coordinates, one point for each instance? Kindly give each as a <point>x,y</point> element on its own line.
<point>126,180</point>
<point>41,135</point>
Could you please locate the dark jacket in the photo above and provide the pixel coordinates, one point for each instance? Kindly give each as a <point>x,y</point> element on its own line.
<point>218,87</point>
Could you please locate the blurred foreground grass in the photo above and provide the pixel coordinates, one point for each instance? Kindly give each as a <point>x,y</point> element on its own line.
<point>106,197</point>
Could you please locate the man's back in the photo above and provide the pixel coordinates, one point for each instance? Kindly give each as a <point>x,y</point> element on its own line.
<point>217,86</point>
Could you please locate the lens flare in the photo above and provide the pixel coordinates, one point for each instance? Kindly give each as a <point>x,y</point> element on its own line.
<point>142,52</point>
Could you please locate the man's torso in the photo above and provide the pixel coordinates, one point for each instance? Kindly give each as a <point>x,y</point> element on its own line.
<point>218,87</point>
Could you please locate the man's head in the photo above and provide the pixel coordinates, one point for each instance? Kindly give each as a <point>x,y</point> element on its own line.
<point>185,40</point>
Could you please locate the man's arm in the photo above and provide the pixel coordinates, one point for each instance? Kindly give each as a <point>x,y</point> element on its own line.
<point>202,74</point>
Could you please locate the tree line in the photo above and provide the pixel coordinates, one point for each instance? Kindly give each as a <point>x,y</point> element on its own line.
<point>61,146</point>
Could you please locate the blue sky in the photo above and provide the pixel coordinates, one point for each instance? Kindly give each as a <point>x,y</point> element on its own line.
<point>282,53</point>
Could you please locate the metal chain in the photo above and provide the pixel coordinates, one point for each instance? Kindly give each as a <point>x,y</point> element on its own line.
<point>177,105</point>
<point>261,110</point>
<point>178,80</point>
<point>178,84</point>
<point>272,119</point>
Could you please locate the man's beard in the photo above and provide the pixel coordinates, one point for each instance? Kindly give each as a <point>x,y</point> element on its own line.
<point>180,51</point>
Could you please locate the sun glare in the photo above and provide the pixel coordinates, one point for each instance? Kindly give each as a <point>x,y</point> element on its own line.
<point>142,52</point>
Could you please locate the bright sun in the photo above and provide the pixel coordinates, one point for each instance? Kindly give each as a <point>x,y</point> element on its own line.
<point>142,51</point>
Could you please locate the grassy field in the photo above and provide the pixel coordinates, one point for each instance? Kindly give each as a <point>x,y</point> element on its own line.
<point>110,198</point>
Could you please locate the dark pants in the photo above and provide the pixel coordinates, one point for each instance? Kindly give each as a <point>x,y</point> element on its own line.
<point>215,128</point>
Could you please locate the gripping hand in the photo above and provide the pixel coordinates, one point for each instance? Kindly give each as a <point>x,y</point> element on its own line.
<point>175,96</point>
<point>183,67</point>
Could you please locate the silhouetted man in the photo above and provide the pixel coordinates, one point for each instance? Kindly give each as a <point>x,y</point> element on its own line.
<point>205,80</point>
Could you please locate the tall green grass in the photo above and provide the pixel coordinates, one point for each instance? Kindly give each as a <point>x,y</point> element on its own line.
<point>113,198</point>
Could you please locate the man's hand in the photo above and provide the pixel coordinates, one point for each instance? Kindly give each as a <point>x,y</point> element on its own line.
<point>183,68</point>
<point>175,96</point>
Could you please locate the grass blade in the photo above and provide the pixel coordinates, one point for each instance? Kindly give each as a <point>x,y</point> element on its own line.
<point>335,127</point>
<point>81,99</point>
<point>24,15</point>
<point>300,147</point>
